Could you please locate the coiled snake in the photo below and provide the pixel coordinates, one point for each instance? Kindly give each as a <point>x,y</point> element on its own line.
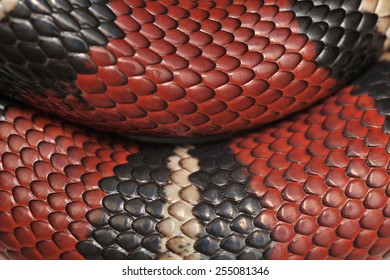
<point>314,185</point>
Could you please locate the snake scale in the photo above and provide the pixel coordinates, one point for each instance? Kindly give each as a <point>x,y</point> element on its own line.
<point>180,129</point>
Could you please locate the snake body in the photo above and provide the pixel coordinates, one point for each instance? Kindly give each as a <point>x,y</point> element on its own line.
<point>184,69</point>
<point>311,186</point>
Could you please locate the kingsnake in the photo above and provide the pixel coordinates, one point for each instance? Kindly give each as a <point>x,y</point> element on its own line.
<point>314,185</point>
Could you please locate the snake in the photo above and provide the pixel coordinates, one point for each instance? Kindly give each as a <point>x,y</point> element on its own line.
<point>180,129</point>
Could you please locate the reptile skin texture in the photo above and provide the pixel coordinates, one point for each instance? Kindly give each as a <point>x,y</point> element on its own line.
<point>313,185</point>
<point>183,69</point>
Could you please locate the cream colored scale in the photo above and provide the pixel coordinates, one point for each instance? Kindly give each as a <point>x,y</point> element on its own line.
<point>180,228</point>
<point>6,6</point>
<point>382,9</point>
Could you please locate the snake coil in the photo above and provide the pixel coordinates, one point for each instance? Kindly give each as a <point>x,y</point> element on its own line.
<point>314,185</point>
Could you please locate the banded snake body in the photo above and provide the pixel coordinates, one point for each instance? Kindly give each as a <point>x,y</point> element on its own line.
<point>312,184</point>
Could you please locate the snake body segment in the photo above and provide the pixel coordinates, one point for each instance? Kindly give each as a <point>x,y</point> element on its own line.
<point>183,69</point>
<point>311,186</point>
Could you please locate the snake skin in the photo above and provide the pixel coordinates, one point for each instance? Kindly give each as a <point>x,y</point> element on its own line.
<point>314,186</point>
<point>184,68</point>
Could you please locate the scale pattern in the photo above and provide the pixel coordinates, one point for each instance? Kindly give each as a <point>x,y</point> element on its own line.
<point>162,205</point>
<point>312,187</point>
<point>382,9</point>
<point>127,224</point>
<point>376,84</point>
<point>323,179</point>
<point>229,211</point>
<point>45,43</point>
<point>48,180</point>
<point>315,186</point>
<point>183,68</point>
